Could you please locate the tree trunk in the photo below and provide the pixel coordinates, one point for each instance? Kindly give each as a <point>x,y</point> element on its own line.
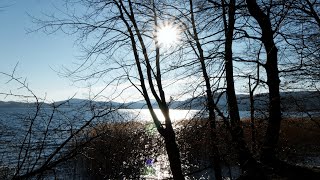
<point>211,106</point>
<point>252,118</point>
<point>268,153</point>
<point>173,154</point>
<point>166,132</point>
<point>245,156</point>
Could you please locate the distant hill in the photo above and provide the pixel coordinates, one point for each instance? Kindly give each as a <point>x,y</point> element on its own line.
<point>290,101</point>
<point>12,104</point>
<point>301,101</point>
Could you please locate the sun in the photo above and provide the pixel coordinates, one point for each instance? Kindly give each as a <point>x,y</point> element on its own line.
<point>167,35</point>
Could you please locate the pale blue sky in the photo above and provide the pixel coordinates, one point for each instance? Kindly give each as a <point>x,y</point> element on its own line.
<point>40,54</point>
<point>37,53</point>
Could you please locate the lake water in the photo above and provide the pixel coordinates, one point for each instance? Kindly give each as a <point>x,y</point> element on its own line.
<point>175,114</point>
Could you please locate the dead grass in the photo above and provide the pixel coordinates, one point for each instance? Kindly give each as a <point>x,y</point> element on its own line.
<point>298,136</point>
<point>121,150</point>
<point>126,145</point>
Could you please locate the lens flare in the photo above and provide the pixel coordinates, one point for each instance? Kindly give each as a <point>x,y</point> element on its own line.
<point>167,35</point>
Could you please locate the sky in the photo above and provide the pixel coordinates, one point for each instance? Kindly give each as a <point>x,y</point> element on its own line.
<point>39,56</point>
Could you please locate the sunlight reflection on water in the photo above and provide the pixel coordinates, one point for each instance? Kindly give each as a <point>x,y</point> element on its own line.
<point>144,114</point>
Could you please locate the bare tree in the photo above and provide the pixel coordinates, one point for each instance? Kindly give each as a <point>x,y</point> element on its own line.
<point>129,25</point>
<point>44,135</point>
<point>211,105</point>
<point>301,33</point>
<point>273,81</point>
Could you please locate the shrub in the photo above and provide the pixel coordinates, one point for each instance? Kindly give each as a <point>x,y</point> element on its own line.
<point>121,150</point>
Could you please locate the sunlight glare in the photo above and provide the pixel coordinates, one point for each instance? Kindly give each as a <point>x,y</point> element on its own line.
<point>167,35</point>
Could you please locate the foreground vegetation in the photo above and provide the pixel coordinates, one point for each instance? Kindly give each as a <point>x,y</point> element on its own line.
<point>129,150</point>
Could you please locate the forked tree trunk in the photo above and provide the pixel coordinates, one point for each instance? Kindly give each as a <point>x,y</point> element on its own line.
<point>211,106</point>
<point>245,157</point>
<point>166,132</point>
<point>268,152</point>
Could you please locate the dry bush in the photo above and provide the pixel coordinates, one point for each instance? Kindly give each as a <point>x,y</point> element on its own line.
<point>299,138</point>
<point>195,142</point>
<point>121,150</point>
<point>193,138</point>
